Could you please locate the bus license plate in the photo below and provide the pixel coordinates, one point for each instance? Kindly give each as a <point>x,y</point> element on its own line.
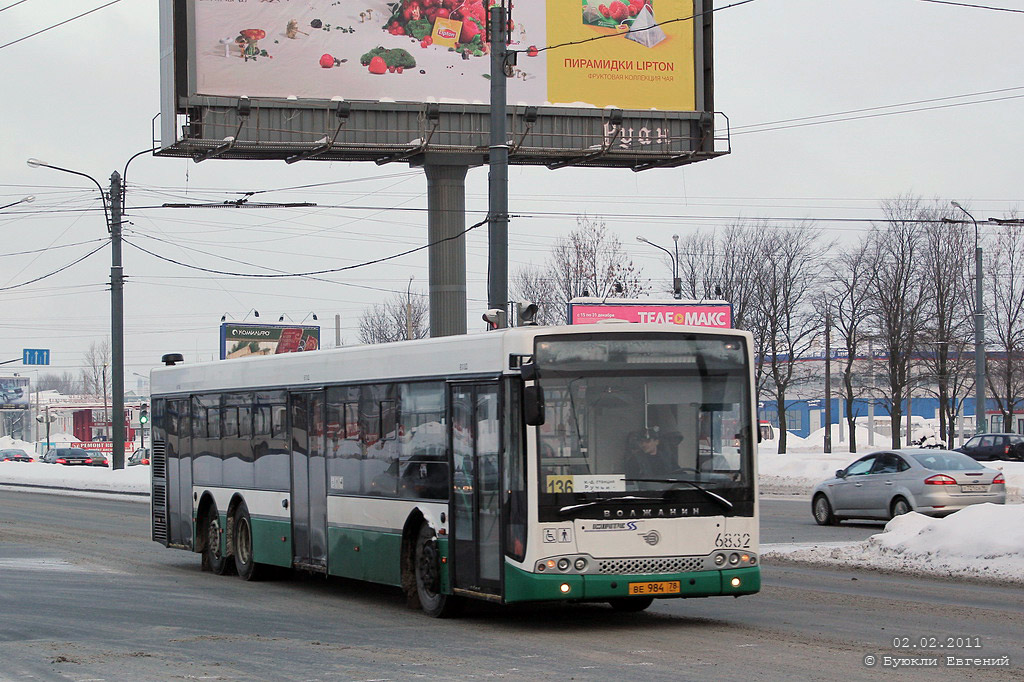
<point>974,488</point>
<point>663,587</point>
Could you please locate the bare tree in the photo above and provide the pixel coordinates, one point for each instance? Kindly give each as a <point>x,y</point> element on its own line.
<point>946,259</point>
<point>400,317</point>
<point>1006,284</point>
<point>899,294</point>
<point>96,370</point>
<point>65,383</point>
<point>850,294</point>
<point>590,261</point>
<point>788,292</point>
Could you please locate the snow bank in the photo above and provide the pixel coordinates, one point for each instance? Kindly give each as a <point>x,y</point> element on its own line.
<point>981,541</point>
<point>100,479</point>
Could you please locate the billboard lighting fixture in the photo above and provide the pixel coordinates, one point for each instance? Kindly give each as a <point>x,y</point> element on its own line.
<point>344,110</point>
<point>433,112</point>
<point>615,117</point>
<point>244,107</point>
<point>531,115</point>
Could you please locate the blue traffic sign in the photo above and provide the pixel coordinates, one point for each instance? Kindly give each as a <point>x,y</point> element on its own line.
<point>35,356</point>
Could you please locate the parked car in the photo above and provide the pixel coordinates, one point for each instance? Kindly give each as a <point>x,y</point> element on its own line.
<point>140,456</point>
<point>14,455</point>
<point>67,456</point>
<point>893,482</point>
<point>99,459</point>
<point>991,446</point>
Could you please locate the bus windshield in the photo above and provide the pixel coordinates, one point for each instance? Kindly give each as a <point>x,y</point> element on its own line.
<point>644,427</point>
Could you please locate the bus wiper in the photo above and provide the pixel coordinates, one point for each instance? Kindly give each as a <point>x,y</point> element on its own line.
<point>726,504</point>
<point>627,498</point>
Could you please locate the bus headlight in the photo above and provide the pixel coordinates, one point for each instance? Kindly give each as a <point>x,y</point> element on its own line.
<point>734,559</point>
<point>719,559</point>
<point>563,564</point>
<point>564,587</point>
<point>735,582</point>
<point>580,564</point>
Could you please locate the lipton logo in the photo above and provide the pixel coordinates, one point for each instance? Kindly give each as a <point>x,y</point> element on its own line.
<point>651,537</point>
<point>446,33</point>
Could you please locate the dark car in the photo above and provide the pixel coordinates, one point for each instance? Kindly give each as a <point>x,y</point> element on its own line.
<point>14,455</point>
<point>140,456</point>
<point>98,458</point>
<point>991,446</point>
<point>67,456</point>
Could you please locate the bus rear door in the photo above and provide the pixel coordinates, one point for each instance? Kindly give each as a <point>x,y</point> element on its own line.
<point>309,481</point>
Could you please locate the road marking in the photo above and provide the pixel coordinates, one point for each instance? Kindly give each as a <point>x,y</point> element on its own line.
<point>49,564</point>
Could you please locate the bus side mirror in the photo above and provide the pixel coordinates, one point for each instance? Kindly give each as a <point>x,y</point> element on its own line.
<point>533,405</point>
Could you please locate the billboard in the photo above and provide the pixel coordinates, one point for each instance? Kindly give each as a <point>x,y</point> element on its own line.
<point>246,340</point>
<point>652,311</point>
<point>389,80</point>
<point>14,393</point>
<point>435,51</point>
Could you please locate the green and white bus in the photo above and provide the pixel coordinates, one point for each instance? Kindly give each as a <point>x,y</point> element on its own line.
<point>493,466</point>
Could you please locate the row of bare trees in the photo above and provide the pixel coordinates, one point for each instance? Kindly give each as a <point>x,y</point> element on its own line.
<point>897,300</point>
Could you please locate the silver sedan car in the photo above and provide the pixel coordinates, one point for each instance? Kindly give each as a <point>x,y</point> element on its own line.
<point>893,482</point>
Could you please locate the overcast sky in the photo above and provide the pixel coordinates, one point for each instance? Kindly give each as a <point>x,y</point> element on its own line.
<point>83,96</point>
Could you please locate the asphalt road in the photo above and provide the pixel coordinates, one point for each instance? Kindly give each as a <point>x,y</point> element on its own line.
<point>85,595</point>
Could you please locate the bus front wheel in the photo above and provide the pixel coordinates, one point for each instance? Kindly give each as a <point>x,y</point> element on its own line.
<point>427,566</point>
<point>244,564</point>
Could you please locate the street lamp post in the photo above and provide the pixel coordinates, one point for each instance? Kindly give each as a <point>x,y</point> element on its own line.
<point>677,284</point>
<point>113,217</point>
<point>979,332</point>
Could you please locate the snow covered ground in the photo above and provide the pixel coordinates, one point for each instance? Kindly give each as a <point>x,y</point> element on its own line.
<point>980,542</point>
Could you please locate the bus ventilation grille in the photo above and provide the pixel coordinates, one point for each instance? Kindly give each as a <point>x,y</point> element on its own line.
<point>158,464</point>
<point>676,564</point>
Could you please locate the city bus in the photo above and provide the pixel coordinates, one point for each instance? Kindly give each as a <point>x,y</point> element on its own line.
<point>491,466</point>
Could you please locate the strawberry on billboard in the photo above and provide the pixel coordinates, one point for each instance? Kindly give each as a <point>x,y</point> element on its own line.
<point>647,311</point>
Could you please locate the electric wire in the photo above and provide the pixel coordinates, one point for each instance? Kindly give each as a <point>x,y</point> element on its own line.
<point>967,4</point>
<point>31,35</point>
<point>55,272</point>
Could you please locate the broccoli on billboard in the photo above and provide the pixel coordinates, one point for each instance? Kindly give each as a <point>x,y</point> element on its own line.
<point>246,340</point>
<point>631,54</point>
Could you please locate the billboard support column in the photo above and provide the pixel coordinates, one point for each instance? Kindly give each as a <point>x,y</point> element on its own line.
<point>446,222</point>
<point>117,323</point>
<point>497,231</point>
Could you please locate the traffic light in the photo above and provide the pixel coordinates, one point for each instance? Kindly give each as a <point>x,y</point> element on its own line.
<point>144,415</point>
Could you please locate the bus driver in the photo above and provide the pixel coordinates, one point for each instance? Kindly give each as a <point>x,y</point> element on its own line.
<point>643,459</point>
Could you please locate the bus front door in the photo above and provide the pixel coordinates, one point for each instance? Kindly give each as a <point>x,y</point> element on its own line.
<point>309,481</point>
<point>476,528</point>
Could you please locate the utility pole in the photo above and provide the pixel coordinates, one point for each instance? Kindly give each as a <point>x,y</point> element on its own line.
<point>979,331</point>
<point>408,311</point>
<point>828,381</point>
<point>497,236</point>
<point>117,321</point>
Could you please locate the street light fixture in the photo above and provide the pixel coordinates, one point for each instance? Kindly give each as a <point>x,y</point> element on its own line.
<point>113,219</point>
<point>24,200</point>
<point>979,331</point>
<point>677,284</point>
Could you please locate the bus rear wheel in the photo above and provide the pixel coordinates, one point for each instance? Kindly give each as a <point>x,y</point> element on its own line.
<point>631,604</point>
<point>243,546</point>
<point>214,559</point>
<point>427,567</point>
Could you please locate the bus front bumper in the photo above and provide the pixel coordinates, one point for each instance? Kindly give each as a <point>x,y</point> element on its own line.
<point>521,586</point>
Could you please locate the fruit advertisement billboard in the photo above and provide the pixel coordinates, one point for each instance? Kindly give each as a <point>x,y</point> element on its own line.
<point>246,340</point>
<point>630,54</point>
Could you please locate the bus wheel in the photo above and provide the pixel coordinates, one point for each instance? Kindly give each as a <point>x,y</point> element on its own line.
<point>427,565</point>
<point>631,604</point>
<point>244,564</point>
<point>213,557</point>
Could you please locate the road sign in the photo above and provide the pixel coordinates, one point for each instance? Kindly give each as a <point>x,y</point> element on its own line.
<point>35,356</point>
